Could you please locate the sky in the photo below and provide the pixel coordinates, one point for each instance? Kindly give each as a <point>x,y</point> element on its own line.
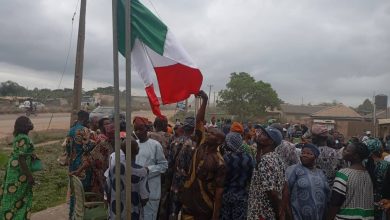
<point>310,51</point>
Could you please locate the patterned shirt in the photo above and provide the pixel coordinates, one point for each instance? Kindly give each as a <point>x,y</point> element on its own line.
<point>269,176</point>
<point>309,192</point>
<point>353,191</point>
<point>288,153</point>
<point>163,138</point>
<point>139,188</point>
<point>329,161</point>
<point>239,167</point>
<point>78,142</point>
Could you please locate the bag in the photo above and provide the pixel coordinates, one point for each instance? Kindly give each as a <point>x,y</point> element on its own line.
<point>36,164</point>
<point>192,197</point>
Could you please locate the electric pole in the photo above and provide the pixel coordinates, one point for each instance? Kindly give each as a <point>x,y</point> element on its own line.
<point>78,74</point>
<point>215,104</point>
<point>208,101</point>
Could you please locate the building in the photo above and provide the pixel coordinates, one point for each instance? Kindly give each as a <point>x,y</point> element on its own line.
<point>298,113</point>
<point>342,119</point>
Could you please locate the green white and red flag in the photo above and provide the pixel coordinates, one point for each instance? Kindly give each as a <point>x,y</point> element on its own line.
<point>156,50</point>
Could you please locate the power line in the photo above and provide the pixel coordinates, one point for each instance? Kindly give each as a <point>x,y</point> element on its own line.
<point>67,55</point>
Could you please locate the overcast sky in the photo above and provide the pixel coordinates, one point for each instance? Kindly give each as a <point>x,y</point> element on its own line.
<point>315,50</point>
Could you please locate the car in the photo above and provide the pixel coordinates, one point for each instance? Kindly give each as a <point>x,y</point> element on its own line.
<point>26,104</point>
<point>106,112</point>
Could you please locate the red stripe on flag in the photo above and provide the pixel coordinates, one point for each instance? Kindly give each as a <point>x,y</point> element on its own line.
<point>177,82</point>
<point>153,100</point>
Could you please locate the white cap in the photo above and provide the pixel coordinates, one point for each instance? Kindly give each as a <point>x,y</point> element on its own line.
<point>368,132</point>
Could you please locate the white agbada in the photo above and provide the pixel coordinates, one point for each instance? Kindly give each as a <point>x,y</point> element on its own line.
<point>151,155</point>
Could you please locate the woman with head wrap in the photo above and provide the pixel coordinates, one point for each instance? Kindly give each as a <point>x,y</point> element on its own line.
<point>239,166</point>
<point>377,169</point>
<point>308,186</point>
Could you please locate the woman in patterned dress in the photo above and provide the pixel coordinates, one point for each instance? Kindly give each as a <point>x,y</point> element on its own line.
<point>16,191</point>
<point>308,186</point>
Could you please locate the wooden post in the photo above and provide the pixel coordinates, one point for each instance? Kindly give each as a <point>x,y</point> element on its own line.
<point>78,74</point>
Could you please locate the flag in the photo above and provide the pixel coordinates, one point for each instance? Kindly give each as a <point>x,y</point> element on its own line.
<point>155,49</point>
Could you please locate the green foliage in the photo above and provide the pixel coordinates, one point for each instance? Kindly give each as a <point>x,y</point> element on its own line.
<point>366,107</point>
<point>246,97</point>
<point>10,88</point>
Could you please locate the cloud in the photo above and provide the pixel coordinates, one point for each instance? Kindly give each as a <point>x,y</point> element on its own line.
<point>318,50</point>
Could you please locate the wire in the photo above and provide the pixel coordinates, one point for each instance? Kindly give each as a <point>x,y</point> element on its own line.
<point>67,56</point>
<point>155,10</point>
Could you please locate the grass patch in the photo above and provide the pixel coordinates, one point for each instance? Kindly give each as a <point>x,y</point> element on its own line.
<point>49,135</point>
<point>53,180</point>
<point>3,160</point>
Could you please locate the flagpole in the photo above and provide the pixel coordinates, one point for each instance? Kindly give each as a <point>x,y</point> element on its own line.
<point>128,108</point>
<point>116,107</point>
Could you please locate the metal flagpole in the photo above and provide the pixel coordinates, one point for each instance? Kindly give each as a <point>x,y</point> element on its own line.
<point>116,106</point>
<point>129,128</point>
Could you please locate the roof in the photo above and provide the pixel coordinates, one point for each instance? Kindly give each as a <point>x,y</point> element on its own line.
<point>338,111</point>
<point>384,121</point>
<point>301,109</point>
<point>379,114</point>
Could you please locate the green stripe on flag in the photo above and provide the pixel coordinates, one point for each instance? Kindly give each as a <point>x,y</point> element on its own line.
<point>144,25</point>
<point>342,176</point>
<point>357,212</point>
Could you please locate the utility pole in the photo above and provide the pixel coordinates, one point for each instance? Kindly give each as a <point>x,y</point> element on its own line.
<point>78,74</point>
<point>208,101</point>
<point>215,104</point>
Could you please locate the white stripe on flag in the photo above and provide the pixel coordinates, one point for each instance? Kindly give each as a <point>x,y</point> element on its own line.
<point>141,63</point>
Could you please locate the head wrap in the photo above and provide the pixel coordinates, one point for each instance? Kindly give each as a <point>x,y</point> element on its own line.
<point>319,130</point>
<point>374,145</point>
<point>140,121</point>
<point>237,127</point>
<point>313,148</point>
<point>234,141</point>
<point>189,122</point>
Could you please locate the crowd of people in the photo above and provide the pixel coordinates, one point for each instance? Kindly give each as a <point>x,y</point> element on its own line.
<point>222,169</point>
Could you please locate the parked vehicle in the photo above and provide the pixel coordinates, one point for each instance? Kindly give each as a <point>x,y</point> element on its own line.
<point>106,112</point>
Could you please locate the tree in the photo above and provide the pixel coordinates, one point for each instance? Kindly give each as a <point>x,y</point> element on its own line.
<point>10,88</point>
<point>246,97</point>
<point>366,107</point>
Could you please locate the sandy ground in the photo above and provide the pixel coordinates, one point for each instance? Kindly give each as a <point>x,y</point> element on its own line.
<point>58,120</point>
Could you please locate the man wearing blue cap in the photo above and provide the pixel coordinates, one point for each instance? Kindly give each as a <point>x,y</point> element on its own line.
<point>268,179</point>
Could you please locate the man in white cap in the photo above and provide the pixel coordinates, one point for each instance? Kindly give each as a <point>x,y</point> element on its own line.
<point>367,136</point>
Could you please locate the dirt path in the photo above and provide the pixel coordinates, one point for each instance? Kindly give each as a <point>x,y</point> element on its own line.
<point>41,122</point>
<point>59,120</point>
<point>54,213</point>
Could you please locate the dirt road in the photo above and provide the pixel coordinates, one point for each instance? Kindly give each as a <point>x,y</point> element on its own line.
<point>58,120</point>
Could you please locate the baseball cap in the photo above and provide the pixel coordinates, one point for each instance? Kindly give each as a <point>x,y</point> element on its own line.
<point>273,133</point>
